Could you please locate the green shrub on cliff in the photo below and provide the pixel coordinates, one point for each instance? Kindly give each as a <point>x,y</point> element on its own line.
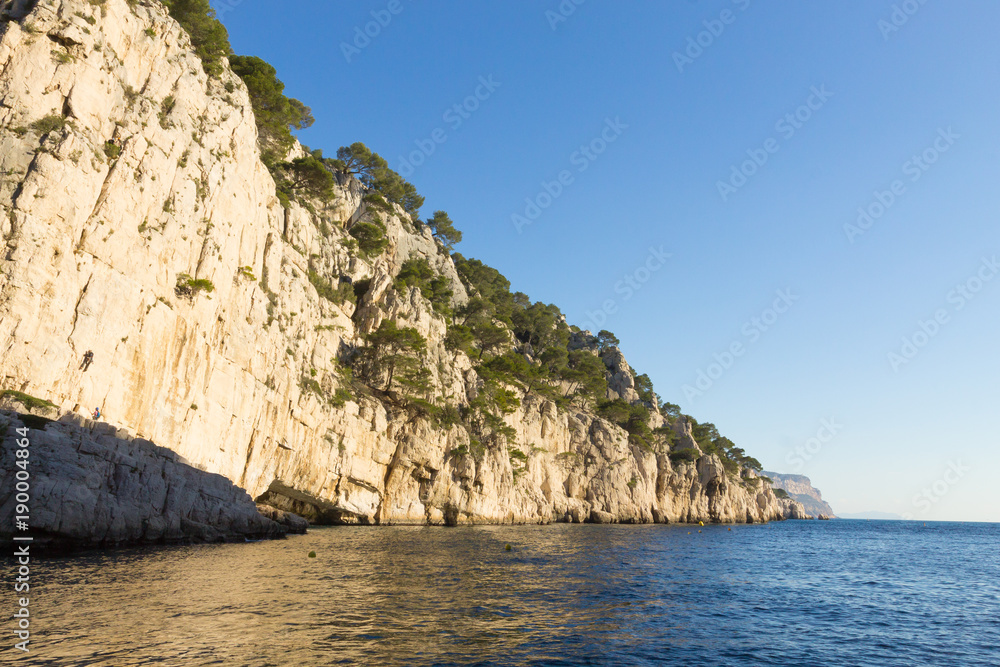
<point>485,281</point>
<point>485,414</point>
<point>607,340</point>
<point>51,123</point>
<point>458,338</point>
<point>417,272</point>
<point>489,337</point>
<point>671,411</point>
<point>513,368</point>
<point>338,295</point>
<point>644,387</point>
<point>683,456</point>
<point>189,287</point>
<point>667,434</point>
<point>632,418</point>
<point>111,150</point>
<point>26,400</point>
<point>208,36</point>
<point>711,442</point>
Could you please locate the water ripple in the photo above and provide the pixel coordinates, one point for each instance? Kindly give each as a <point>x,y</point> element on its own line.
<point>799,593</point>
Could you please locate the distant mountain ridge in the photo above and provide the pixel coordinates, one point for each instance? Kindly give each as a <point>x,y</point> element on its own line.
<point>800,488</point>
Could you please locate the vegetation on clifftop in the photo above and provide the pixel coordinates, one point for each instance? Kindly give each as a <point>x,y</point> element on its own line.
<point>208,36</point>
<point>514,344</point>
<point>276,114</point>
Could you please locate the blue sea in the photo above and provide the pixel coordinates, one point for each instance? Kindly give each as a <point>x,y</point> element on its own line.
<point>836,593</point>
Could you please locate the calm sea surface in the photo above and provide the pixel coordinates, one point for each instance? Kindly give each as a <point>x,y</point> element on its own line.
<point>795,593</point>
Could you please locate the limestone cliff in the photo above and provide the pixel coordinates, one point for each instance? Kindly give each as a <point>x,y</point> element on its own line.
<point>93,486</point>
<point>129,175</point>
<point>800,488</point>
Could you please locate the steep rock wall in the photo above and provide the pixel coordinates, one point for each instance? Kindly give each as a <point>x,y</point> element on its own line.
<point>800,488</point>
<point>152,172</point>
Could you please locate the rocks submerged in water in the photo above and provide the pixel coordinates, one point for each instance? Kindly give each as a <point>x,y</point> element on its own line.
<point>292,522</point>
<point>92,486</point>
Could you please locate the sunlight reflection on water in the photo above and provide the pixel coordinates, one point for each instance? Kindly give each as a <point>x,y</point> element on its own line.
<point>821,593</point>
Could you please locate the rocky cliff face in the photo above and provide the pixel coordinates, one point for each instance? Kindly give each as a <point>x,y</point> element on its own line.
<point>92,485</point>
<point>127,170</point>
<point>800,488</point>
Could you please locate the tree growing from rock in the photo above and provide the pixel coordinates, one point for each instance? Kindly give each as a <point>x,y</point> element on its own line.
<point>585,374</point>
<point>208,36</point>
<point>489,337</point>
<point>644,387</point>
<point>459,338</point>
<point>373,172</point>
<point>606,340</point>
<point>276,114</point>
<point>671,411</point>
<point>371,240</point>
<point>417,272</point>
<point>444,229</point>
<point>475,309</point>
<point>394,354</point>
<point>309,175</point>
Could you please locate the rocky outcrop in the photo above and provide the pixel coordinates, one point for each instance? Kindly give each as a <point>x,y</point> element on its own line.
<point>92,486</point>
<point>128,173</point>
<point>292,522</point>
<point>800,489</point>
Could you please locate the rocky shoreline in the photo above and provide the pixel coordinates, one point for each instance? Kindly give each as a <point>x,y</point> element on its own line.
<point>95,486</point>
<point>92,485</point>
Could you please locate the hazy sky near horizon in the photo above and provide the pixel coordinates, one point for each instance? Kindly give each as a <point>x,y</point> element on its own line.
<point>823,176</point>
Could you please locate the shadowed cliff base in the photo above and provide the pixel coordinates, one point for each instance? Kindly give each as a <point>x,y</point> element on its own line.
<point>91,485</point>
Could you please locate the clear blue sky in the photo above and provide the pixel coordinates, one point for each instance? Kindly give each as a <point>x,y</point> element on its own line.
<point>898,432</point>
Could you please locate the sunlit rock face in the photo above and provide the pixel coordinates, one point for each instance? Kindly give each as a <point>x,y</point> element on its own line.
<point>800,488</point>
<point>127,173</point>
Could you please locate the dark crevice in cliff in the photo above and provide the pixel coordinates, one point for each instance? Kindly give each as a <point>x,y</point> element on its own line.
<point>76,308</point>
<point>246,464</point>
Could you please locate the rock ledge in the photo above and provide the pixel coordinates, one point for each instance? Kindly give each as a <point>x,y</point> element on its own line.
<point>91,487</point>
